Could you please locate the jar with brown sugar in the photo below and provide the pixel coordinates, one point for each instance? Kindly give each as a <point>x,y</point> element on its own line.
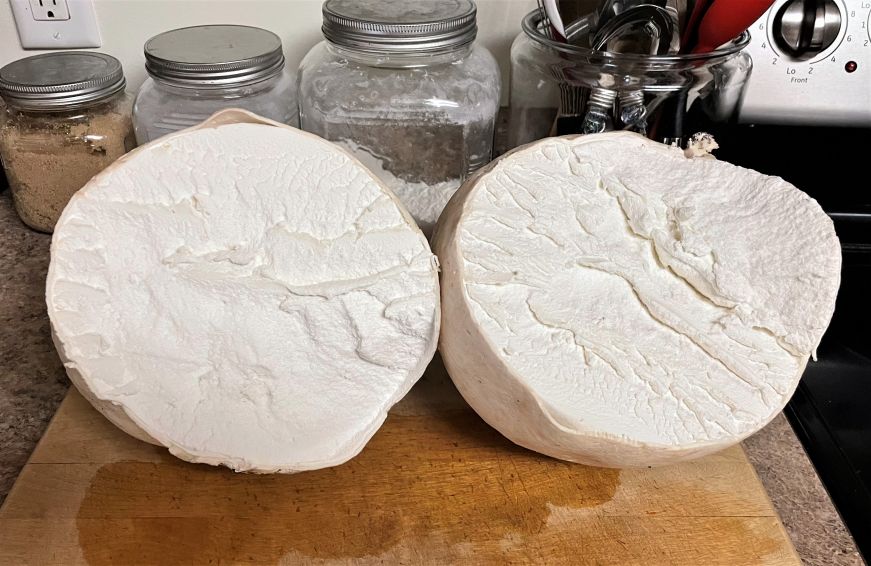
<point>64,118</point>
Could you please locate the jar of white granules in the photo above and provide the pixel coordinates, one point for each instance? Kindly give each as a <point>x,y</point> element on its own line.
<point>403,86</point>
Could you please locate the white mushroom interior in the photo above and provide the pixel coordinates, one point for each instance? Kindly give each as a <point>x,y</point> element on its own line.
<point>638,293</point>
<point>250,295</point>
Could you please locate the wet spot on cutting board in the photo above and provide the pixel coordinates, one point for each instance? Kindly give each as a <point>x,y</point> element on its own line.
<point>423,488</point>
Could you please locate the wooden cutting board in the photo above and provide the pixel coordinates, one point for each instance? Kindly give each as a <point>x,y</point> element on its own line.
<point>435,485</point>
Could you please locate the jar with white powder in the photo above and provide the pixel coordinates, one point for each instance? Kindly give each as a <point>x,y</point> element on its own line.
<point>197,71</point>
<point>403,86</point>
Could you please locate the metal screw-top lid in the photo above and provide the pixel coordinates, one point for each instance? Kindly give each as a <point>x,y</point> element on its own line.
<point>214,56</point>
<point>61,81</point>
<point>393,27</point>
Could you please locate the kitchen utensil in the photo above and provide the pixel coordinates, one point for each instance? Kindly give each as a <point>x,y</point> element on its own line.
<point>691,29</point>
<point>633,112</point>
<point>574,10</point>
<point>600,105</point>
<point>566,23</point>
<point>725,20</point>
<point>545,21</point>
<point>552,20</point>
<point>669,125</point>
<point>677,11</point>
<point>645,29</point>
<point>579,31</point>
<point>612,8</point>
<point>679,7</point>
<point>576,32</point>
<point>609,9</point>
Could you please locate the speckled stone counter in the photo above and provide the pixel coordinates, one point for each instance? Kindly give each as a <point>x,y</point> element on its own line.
<point>32,379</point>
<point>33,383</point>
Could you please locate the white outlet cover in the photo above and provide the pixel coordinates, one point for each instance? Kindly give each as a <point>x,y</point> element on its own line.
<point>49,10</point>
<point>80,30</point>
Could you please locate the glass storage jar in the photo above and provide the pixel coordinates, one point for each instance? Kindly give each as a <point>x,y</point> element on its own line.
<point>64,118</point>
<point>557,88</point>
<point>197,71</point>
<point>403,86</point>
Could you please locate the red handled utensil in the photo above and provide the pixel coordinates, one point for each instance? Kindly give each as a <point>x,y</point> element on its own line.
<point>725,20</point>
<point>691,28</point>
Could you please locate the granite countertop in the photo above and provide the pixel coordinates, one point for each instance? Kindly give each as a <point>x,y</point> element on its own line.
<point>33,383</point>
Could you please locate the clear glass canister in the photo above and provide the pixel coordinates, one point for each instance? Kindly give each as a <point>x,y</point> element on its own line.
<point>197,71</point>
<point>404,88</point>
<point>562,89</point>
<point>64,118</point>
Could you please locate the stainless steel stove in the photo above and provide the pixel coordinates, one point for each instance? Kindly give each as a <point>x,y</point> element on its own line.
<point>806,117</point>
<point>811,63</point>
<point>831,410</point>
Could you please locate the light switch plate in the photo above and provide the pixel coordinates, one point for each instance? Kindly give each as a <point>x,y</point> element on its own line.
<point>56,24</point>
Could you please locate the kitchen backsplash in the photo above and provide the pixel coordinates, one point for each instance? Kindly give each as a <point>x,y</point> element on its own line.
<point>125,25</point>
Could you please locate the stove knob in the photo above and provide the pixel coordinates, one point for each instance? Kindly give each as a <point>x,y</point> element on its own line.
<point>805,28</point>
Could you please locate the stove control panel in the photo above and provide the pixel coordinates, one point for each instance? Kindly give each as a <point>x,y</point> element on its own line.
<point>811,64</point>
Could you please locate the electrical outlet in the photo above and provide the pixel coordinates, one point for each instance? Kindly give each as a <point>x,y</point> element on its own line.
<point>56,24</point>
<point>49,10</point>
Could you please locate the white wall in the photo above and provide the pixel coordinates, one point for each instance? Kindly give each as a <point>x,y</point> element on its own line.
<point>126,24</point>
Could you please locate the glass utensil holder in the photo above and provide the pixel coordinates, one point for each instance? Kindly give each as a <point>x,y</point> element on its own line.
<point>559,89</point>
